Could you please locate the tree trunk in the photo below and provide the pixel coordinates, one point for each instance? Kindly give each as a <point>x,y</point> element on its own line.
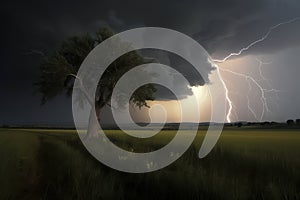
<point>93,126</point>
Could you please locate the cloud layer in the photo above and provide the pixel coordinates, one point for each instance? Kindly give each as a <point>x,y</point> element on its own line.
<point>221,26</point>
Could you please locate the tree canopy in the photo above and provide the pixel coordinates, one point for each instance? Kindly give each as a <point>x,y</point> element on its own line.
<point>59,69</point>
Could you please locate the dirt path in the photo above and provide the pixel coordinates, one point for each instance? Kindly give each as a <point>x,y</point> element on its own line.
<point>19,169</point>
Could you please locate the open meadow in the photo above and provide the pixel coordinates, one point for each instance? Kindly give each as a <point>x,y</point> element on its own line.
<point>245,164</point>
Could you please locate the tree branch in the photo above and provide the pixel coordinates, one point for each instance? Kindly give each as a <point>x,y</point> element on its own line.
<point>90,100</point>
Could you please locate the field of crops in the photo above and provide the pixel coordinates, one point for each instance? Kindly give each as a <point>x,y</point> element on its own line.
<point>245,164</point>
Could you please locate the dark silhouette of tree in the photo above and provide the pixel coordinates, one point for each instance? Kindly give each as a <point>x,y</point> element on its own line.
<point>59,69</point>
<point>298,121</point>
<point>290,122</point>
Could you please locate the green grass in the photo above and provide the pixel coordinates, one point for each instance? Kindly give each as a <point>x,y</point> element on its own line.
<point>245,164</point>
<point>18,169</point>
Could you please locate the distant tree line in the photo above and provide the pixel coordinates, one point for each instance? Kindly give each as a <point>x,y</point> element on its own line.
<point>289,122</point>
<point>293,122</point>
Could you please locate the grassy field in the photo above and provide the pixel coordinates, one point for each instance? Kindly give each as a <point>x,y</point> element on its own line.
<point>245,164</point>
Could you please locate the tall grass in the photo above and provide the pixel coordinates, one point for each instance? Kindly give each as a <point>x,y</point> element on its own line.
<point>245,164</point>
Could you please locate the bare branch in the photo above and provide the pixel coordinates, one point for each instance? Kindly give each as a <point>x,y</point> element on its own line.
<point>90,100</point>
<point>34,51</point>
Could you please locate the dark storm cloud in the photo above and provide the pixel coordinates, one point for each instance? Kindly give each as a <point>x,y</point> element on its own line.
<point>218,24</point>
<point>183,67</point>
<point>239,23</point>
<point>221,26</point>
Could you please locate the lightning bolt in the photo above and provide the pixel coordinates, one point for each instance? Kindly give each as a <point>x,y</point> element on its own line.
<point>263,98</point>
<point>248,101</point>
<point>264,37</point>
<point>250,80</point>
<point>261,63</point>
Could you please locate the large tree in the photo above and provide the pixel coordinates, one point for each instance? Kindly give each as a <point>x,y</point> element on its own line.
<point>59,69</point>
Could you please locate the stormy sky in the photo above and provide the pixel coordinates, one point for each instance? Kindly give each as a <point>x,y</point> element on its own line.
<point>33,28</point>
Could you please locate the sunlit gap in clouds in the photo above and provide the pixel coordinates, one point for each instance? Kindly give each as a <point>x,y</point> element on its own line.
<point>171,109</point>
